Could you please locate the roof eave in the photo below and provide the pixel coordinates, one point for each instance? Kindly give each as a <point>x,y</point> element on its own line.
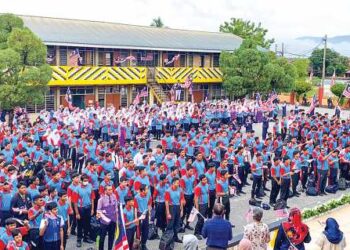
<point>130,47</point>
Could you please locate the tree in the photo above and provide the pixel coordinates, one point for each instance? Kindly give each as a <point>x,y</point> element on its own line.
<point>247,30</point>
<point>157,22</point>
<point>338,89</point>
<point>249,69</point>
<point>7,23</point>
<point>302,67</point>
<point>302,87</point>
<point>334,62</point>
<point>24,73</point>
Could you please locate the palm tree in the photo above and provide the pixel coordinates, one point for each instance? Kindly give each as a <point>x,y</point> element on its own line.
<point>157,22</point>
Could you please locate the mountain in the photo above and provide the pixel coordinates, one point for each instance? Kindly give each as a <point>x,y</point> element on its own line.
<point>334,40</point>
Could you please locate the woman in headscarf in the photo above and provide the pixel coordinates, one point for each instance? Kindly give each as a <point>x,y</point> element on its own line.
<point>293,233</point>
<point>331,238</point>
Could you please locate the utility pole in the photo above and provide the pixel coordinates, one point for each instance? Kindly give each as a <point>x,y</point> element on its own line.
<point>321,88</point>
<point>276,48</point>
<point>324,60</point>
<point>282,51</point>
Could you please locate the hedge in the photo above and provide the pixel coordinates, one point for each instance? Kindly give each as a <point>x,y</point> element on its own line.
<point>318,210</point>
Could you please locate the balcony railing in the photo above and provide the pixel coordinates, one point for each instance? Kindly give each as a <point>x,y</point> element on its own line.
<point>93,75</point>
<point>180,74</point>
<point>86,75</point>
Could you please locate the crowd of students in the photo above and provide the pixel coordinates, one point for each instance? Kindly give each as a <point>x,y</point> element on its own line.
<point>66,167</point>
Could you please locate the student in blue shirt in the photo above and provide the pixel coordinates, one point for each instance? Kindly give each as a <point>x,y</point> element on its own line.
<point>5,202</point>
<point>143,202</point>
<point>83,198</point>
<point>130,219</point>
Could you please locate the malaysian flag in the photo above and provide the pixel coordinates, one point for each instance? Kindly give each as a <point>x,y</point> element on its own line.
<point>68,99</point>
<point>74,58</point>
<point>148,57</point>
<point>120,242</point>
<point>144,92</point>
<point>188,82</point>
<point>333,79</point>
<point>311,76</point>
<point>137,99</point>
<point>122,60</point>
<point>346,91</point>
<point>313,104</point>
<point>175,58</point>
<point>282,213</point>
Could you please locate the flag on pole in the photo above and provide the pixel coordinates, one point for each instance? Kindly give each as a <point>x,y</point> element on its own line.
<point>68,98</point>
<point>121,241</point>
<point>311,76</point>
<point>346,91</point>
<point>313,104</point>
<point>144,92</point>
<point>137,99</point>
<point>333,79</point>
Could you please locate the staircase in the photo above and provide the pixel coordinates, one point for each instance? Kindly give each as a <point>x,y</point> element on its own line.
<point>155,89</point>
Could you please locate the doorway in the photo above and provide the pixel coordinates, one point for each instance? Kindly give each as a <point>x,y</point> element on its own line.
<point>78,101</point>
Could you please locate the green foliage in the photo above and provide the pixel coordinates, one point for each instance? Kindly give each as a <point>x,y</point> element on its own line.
<point>319,210</point>
<point>334,61</point>
<point>157,22</point>
<point>302,87</point>
<point>249,69</point>
<point>23,72</point>
<point>338,89</point>
<point>247,30</point>
<point>302,67</point>
<point>7,23</point>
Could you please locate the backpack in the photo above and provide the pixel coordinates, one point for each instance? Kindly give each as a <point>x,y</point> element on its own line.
<point>311,191</point>
<point>280,204</point>
<point>332,189</point>
<point>167,241</point>
<point>152,232</point>
<point>95,228</point>
<point>342,184</point>
<point>311,182</point>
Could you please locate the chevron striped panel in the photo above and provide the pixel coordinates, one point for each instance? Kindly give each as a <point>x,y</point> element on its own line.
<point>84,75</point>
<point>200,75</point>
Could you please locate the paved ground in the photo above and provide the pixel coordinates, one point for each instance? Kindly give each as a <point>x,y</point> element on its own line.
<point>240,206</point>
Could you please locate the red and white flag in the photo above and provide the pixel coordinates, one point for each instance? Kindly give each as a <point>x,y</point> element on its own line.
<point>174,59</point>
<point>137,100</point>
<point>346,91</point>
<point>333,79</point>
<point>144,92</point>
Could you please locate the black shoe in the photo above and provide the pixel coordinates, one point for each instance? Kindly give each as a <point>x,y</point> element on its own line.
<point>272,204</point>
<point>88,241</point>
<point>199,237</point>
<point>177,240</point>
<point>259,197</point>
<point>242,192</point>
<point>143,247</point>
<point>78,243</point>
<point>181,230</point>
<point>73,233</point>
<point>266,189</point>
<point>189,227</point>
<point>297,193</point>
<point>288,207</point>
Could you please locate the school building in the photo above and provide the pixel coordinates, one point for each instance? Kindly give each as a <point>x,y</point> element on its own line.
<point>110,63</point>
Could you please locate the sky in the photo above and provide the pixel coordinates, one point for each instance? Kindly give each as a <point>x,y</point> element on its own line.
<point>285,19</point>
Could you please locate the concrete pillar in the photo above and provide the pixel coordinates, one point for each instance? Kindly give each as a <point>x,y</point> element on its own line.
<point>151,97</point>
<point>57,95</point>
<point>129,94</point>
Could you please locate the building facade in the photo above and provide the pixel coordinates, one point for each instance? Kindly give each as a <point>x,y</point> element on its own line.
<point>110,63</point>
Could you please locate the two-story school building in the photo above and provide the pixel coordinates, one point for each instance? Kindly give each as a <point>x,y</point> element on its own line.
<point>110,63</point>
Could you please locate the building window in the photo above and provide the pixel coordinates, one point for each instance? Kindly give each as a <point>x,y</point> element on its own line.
<point>119,58</point>
<point>202,60</point>
<point>51,55</point>
<point>190,59</point>
<point>216,60</point>
<point>105,57</point>
<point>63,56</point>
